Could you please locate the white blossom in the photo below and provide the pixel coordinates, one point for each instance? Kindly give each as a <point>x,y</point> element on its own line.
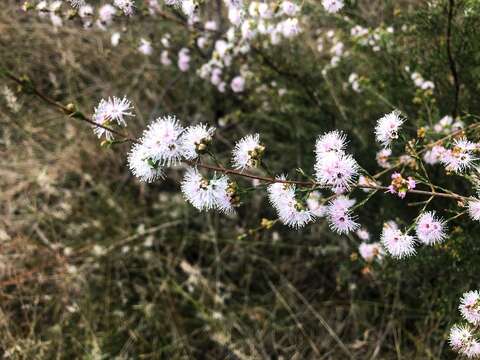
<point>247,152</point>
<point>397,244</point>
<point>470,307</point>
<point>337,170</point>
<point>162,138</point>
<point>430,230</point>
<point>195,140</point>
<point>387,128</point>
<point>113,109</point>
<point>206,194</point>
<point>340,217</point>
<point>474,209</point>
<point>141,164</point>
<point>290,210</point>
<point>127,6</point>
<point>333,6</point>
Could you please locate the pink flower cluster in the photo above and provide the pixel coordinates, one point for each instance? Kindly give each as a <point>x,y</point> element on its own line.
<point>400,185</point>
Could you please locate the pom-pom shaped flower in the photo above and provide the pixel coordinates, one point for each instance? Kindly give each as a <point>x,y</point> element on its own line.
<point>291,211</point>
<point>295,214</point>
<point>470,307</point>
<point>339,215</point>
<point>333,6</point>
<point>127,6</point>
<point>460,337</point>
<point>332,141</point>
<point>248,152</point>
<point>162,138</point>
<point>387,128</point>
<point>474,209</point>
<point>207,194</point>
<point>460,157</point>
<point>109,111</point>
<point>196,140</point>
<point>142,166</point>
<point>430,230</point>
<point>337,170</point>
<point>370,252</point>
<point>397,244</point>
<point>400,186</point>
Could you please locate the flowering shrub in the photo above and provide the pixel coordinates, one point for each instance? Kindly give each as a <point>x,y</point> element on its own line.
<point>286,119</point>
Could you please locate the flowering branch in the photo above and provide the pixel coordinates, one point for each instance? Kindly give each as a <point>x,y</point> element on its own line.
<point>69,111</point>
<point>166,143</point>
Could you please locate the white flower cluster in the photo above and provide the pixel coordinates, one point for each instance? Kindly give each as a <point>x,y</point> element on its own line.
<point>459,157</point>
<point>429,229</point>
<point>334,167</point>
<point>388,127</point>
<point>247,24</point>
<point>207,194</point>
<point>167,143</point>
<point>333,6</point>
<point>110,111</point>
<point>103,16</point>
<point>375,38</point>
<point>464,337</point>
<point>340,216</point>
<point>248,152</point>
<point>291,210</point>
<point>421,83</point>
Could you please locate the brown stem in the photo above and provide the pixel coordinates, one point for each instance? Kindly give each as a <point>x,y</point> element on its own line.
<point>66,110</point>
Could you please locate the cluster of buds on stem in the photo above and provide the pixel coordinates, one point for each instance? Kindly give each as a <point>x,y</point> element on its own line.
<point>400,185</point>
<point>232,191</point>
<point>256,156</point>
<point>203,144</point>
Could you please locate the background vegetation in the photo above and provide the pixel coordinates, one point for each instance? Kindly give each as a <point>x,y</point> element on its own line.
<point>95,265</point>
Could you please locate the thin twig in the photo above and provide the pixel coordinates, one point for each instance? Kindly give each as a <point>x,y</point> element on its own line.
<point>451,60</point>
